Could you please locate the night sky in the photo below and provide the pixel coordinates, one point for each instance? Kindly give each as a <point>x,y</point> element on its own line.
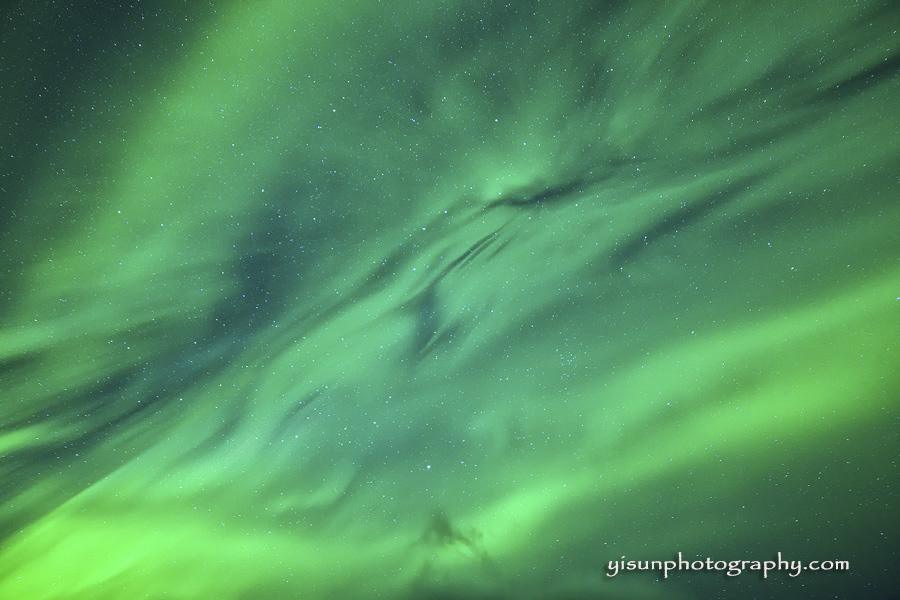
<point>448,299</point>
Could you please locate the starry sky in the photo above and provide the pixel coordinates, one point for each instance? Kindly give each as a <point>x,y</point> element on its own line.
<point>451,299</point>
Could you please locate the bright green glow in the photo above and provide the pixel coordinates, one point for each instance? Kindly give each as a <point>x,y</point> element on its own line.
<point>278,319</point>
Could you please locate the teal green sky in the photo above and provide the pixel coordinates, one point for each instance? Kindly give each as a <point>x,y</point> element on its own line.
<point>447,299</point>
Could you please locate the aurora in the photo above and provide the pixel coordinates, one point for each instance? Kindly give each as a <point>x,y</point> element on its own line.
<point>448,300</point>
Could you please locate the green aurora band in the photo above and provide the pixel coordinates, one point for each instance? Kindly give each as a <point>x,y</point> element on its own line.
<point>447,299</point>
